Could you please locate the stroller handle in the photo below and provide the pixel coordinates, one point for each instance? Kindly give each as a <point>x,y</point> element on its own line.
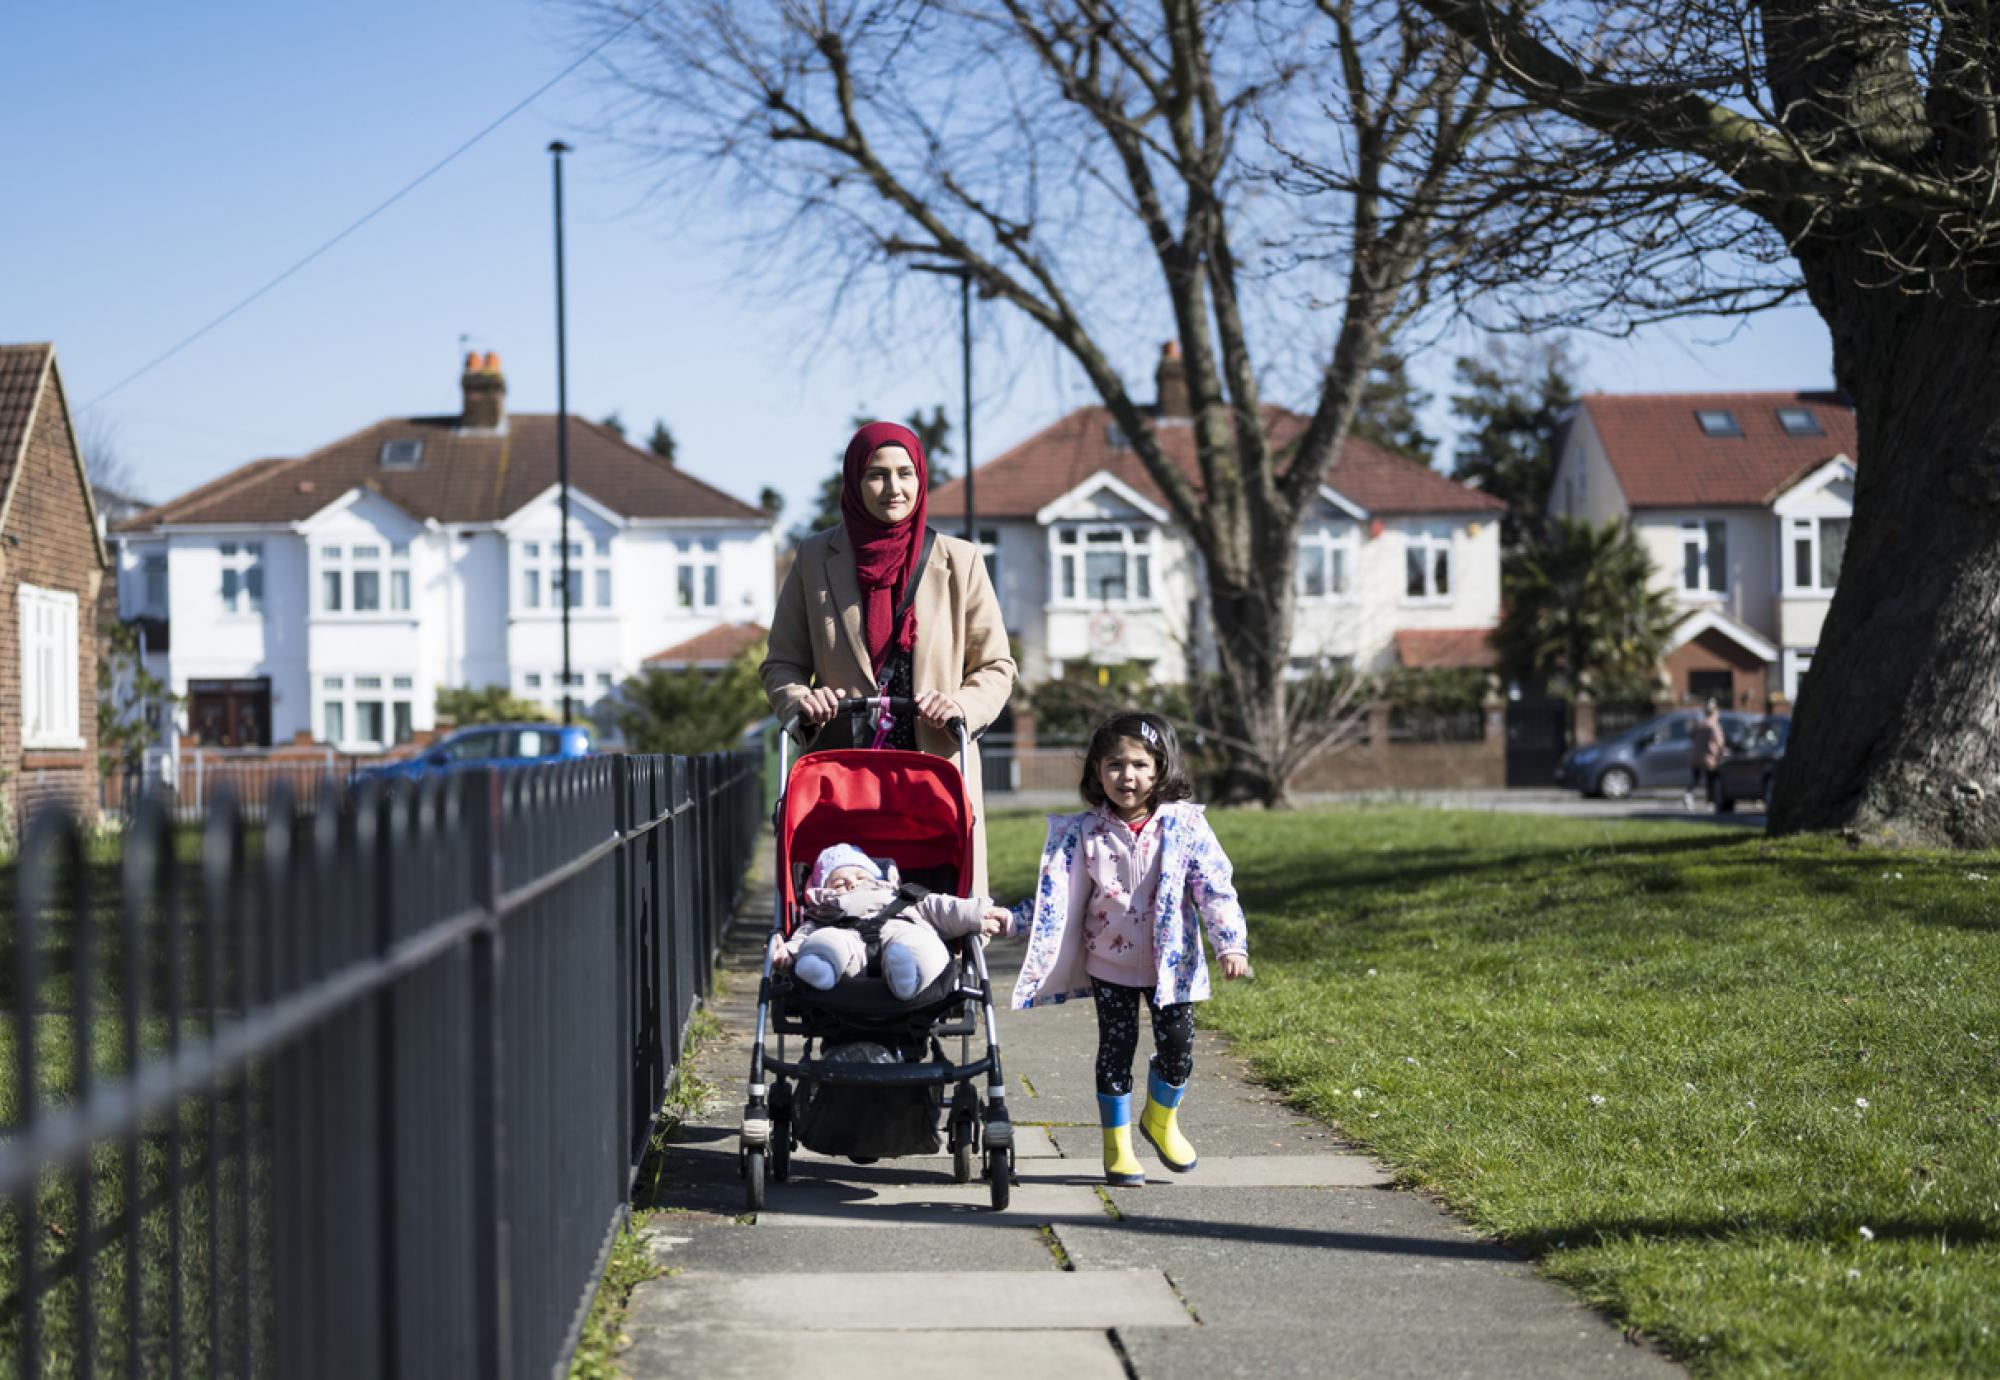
<point>855,704</point>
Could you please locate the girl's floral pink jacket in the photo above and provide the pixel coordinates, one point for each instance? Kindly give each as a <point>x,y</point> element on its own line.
<point>1194,881</point>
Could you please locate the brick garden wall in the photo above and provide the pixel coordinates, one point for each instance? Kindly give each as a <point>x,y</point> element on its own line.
<point>1383,763</point>
<point>48,541</point>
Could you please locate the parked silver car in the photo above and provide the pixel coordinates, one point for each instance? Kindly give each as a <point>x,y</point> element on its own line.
<point>1654,753</point>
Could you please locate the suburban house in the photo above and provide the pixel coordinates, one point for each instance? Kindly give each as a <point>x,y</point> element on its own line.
<point>1743,501</point>
<point>331,596</point>
<point>52,565</point>
<point>1397,565</point>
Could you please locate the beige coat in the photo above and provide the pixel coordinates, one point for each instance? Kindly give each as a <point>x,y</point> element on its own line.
<point>817,639</point>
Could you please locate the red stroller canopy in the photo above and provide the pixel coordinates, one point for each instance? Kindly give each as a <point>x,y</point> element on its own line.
<point>907,806</point>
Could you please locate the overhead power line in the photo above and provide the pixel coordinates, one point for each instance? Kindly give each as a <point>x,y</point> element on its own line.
<point>397,196</point>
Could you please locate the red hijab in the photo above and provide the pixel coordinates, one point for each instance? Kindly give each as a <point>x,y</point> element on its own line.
<point>885,554</point>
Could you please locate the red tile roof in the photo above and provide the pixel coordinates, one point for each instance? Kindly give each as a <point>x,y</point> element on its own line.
<point>471,476</point>
<point>718,646</point>
<point>1425,648</point>
<point>22,368</point>
<point>1663,459</point>
<point>1026,479</point>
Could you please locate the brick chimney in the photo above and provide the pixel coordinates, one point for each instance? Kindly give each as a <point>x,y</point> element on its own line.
<point>485,393</point>
<point>1170,379</point>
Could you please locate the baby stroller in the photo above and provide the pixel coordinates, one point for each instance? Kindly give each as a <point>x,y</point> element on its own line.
<point>870,1074</point>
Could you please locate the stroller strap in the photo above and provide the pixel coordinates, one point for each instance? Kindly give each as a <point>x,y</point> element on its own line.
<point>869,927</point>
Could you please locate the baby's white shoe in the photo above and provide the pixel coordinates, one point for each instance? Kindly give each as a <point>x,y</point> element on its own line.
<point>814,971</point>
<point>899,970</point>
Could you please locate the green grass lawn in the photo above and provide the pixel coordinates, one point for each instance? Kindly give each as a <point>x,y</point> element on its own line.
<point>1744,1095</point>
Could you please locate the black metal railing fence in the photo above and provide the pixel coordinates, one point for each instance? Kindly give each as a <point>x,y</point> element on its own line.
<point>359,1090</point>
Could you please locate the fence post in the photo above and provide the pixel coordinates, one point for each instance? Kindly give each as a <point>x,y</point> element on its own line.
<point>492,1310</point>
<point>626,1052</point>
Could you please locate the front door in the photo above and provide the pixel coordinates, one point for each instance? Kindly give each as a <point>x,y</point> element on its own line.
<point>230,713</point>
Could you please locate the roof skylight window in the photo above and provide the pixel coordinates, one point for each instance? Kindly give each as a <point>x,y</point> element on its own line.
<point>1799,421</point>
<point>1717,421</point>
<point>402,455</point>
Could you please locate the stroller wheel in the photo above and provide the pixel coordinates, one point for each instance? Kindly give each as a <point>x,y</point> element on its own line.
<point>753,1180</point>
<point>1000,1175</point>
<point>961,1163</point>
<point>781,1147</point>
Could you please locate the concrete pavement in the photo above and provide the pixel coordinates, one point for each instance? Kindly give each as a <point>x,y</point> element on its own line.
<point>1283,1254</point>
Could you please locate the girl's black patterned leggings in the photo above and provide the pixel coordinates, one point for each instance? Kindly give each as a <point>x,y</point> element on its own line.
<point>1118,1035</point>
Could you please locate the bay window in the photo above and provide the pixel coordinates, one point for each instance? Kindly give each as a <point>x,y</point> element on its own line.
<point>1818,545</point>
<point>1103,563</point>
<point>366,711</point>
<point>242,576</point>
<point>1326,560</point>
<point>1705,556</point>
<point>697,573</point>
<point>1427,565</point>
<point>369,577</point>
<point>540,574</point>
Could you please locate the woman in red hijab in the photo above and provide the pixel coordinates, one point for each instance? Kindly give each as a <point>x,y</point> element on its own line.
<point>838,631</point>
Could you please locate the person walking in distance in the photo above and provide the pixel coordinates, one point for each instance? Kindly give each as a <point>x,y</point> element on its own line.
<point>1707,751</point>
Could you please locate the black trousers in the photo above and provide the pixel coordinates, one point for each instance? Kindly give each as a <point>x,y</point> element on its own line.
<point>1118,1035</point>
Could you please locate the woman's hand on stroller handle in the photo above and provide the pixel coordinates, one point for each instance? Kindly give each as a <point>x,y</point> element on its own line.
<point>823,702</point>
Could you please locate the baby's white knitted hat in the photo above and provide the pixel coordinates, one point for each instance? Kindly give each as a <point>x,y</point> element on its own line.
<point>842,855</point>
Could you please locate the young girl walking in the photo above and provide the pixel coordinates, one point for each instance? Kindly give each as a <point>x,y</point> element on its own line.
<point>1113,918</point>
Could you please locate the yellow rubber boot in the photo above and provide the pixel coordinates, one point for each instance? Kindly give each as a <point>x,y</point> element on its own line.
<point>1160,1123</point>
<point>1121,1167</point>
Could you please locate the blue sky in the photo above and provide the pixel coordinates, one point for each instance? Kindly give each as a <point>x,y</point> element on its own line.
<point>166,160</point>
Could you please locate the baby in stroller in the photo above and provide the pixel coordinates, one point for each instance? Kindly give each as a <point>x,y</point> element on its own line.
<point>851,899</point>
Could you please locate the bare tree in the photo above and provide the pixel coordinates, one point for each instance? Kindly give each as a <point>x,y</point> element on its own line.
<point>104,459</point>
<point>1100,167</point>
<point>1851,150</point>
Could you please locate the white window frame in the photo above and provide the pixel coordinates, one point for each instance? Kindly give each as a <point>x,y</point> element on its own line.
<point>244,560</point>
<point>697,574</point>
<point>1070,545</point>
<point>1433,542</point>
<point>989,553</point>
<point>1810,532</point>
<point>1336,547</point>
<point>1697,535</point>
<point>344,694</point>
<point>346,561</point>
<point>51,708</point>
<point>536,575</point>
<point>544,687</point>
<point>1795,663</point>
<point>151,564</point>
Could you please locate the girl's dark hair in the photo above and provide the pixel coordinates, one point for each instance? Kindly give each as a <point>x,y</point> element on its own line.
<point>1157,735</point>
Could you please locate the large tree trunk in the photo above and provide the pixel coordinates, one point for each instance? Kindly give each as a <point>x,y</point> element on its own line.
<point>1898,732</point>
<point>1253,638</point>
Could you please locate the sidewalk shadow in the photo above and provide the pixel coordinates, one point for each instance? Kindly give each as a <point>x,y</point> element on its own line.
<point>705,1182</point>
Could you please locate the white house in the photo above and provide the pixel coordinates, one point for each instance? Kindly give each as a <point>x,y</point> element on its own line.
<point>1743,502</point>
<point>1398,565</point>
<point>333,595</point>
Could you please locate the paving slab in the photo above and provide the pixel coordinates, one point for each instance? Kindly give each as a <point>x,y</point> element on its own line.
<point>769,1246</point>
<point>970,1355</point>
<point>1226,1171</point>
<point>924,1205</point>
<point>920,1300</point>
<point>1030,1143</point>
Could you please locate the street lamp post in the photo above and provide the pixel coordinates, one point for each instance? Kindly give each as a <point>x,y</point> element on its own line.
<point>556,150</point>
<point>964,276</point>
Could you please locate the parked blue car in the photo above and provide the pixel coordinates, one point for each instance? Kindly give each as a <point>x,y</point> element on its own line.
<point>498,745</point>
<point>1655,753</point>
